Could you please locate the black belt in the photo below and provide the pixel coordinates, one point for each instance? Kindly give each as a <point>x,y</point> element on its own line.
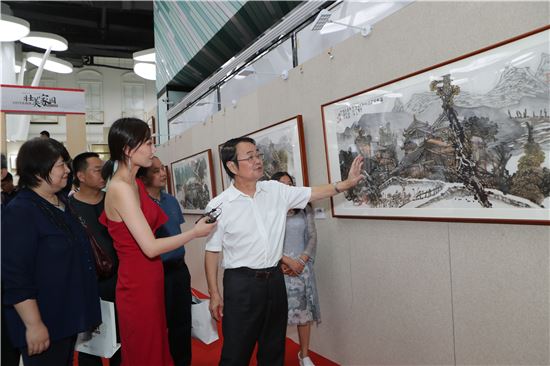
<point>262,273</point>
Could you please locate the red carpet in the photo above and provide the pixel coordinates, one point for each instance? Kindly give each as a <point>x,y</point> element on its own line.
<point>209,355</point>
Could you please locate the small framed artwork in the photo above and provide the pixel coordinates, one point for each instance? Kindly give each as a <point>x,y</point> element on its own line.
<point>283,149</point>
<point>193,182</point>
<point>466,140</point>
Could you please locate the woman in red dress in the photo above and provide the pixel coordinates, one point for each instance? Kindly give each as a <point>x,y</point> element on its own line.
<point>132,218</point>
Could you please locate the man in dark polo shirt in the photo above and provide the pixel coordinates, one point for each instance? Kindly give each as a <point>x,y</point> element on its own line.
<point>88,203</point>
<point>177,280</point>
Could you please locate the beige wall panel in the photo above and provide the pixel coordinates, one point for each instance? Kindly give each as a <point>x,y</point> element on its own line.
<point>402,311</point>
<point>385,286</point>
<point>76,133</point>
<point>501,308</point>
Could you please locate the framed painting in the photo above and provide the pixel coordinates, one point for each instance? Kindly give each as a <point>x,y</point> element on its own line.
<point>283,149</point>
<point>168,186</point>
<point>466,140</point>
<point>193,182</point>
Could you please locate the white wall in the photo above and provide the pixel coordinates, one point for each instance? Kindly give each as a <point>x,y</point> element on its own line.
<point>112,101</point>
<point>398,292</point>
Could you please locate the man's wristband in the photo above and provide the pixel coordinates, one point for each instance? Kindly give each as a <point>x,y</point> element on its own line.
<point>335,185</point>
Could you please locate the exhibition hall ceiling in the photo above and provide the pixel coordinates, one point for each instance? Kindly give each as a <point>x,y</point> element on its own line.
<point>92,28</point>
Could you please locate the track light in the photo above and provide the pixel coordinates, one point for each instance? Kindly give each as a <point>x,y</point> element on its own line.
<point>249,71</point>
<point>324,17</point>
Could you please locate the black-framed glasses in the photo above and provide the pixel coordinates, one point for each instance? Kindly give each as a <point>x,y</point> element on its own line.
<point>212,215</point>
<point>251,158</point>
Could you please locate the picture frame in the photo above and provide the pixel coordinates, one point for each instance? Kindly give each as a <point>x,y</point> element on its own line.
<point>168,186</point>
<point>283,146</point>
<point>193,182</point>
<point>465,140</point>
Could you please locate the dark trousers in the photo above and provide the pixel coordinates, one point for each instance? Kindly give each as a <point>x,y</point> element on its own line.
<point>10,354</point>
<point>255,310</point>
<point>60,353</point>
<point>177,295</point>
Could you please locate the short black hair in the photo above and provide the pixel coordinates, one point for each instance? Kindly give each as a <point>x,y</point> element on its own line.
<point>229,152</point>
<point>44,133</point>
<point>8,178</point>
<point>80,164</point>
<point>36,159</point>
<point>277,176</point>
<point>4,162</point>
<point>142,171</point>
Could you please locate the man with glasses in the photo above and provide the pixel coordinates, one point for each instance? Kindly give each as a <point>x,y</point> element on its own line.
<point>250,232</point>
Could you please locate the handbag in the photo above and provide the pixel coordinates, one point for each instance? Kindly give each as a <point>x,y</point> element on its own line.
<point>102,342</point>
<point>103,263</point>
<point>203,327</point>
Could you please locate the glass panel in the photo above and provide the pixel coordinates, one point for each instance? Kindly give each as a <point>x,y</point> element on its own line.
<point>198,113</point>
<point>355,13</point>
<point>269,67</point>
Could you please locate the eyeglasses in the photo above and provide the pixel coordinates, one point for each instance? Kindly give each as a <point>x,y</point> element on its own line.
<point>251,158</point>
<point>212,215</point>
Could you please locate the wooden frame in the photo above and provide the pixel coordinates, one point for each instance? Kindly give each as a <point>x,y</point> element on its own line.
<point>194,184</point>
<point>168,187</point>
<point>290,129</point>
<point>444,143</point>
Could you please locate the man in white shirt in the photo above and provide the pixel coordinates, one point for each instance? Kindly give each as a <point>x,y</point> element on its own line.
<point>250,232</point>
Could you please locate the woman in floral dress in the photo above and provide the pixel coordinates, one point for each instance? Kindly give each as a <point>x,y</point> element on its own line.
<point>298,258</point>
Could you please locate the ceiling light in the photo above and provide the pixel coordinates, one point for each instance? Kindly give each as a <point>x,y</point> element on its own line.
<point>323,18</point>
<point>52,64</point>
<point>145,55</point>
<point>13,28</point>
<point>146,70</point>
<point>46,40</point>
<point>206,103</point>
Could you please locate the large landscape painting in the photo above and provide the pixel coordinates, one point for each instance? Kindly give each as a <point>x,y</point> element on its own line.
<point>467,141</point>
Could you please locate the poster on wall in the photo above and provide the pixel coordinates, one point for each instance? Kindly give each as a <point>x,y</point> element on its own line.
<point>467,140</point>
<point>283,149</point>
<point>193,182</point>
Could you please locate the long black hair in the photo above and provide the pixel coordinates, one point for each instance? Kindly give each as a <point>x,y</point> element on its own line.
<point>124,133</point>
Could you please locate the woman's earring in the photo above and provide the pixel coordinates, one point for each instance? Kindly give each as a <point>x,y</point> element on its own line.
<point>129,164</point>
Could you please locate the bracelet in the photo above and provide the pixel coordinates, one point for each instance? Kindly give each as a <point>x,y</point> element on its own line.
<point>301,261</point>
<point>335,185</point>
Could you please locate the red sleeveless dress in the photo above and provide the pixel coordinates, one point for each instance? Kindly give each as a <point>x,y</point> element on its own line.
<point>140,292</point>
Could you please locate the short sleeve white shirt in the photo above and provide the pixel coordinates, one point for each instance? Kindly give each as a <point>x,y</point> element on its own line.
<point>251,230</point>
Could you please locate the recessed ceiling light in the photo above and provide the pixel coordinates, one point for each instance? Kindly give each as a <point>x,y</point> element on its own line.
<point>146,70</point>
<point>52,64</point>
<point>13,28</point>
<point>145,55</point>
<point>46,40</point>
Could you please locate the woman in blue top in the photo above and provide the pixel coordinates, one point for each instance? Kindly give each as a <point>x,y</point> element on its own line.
<point>298,257</point>
<point>48,273</point>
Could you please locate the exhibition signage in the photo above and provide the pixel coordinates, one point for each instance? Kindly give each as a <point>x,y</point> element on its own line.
<point>40,100</point>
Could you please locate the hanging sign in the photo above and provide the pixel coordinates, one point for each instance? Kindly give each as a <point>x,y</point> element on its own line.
<point>40,100</point>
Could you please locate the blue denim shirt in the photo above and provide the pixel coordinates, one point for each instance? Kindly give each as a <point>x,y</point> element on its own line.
<point>172,209</point>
